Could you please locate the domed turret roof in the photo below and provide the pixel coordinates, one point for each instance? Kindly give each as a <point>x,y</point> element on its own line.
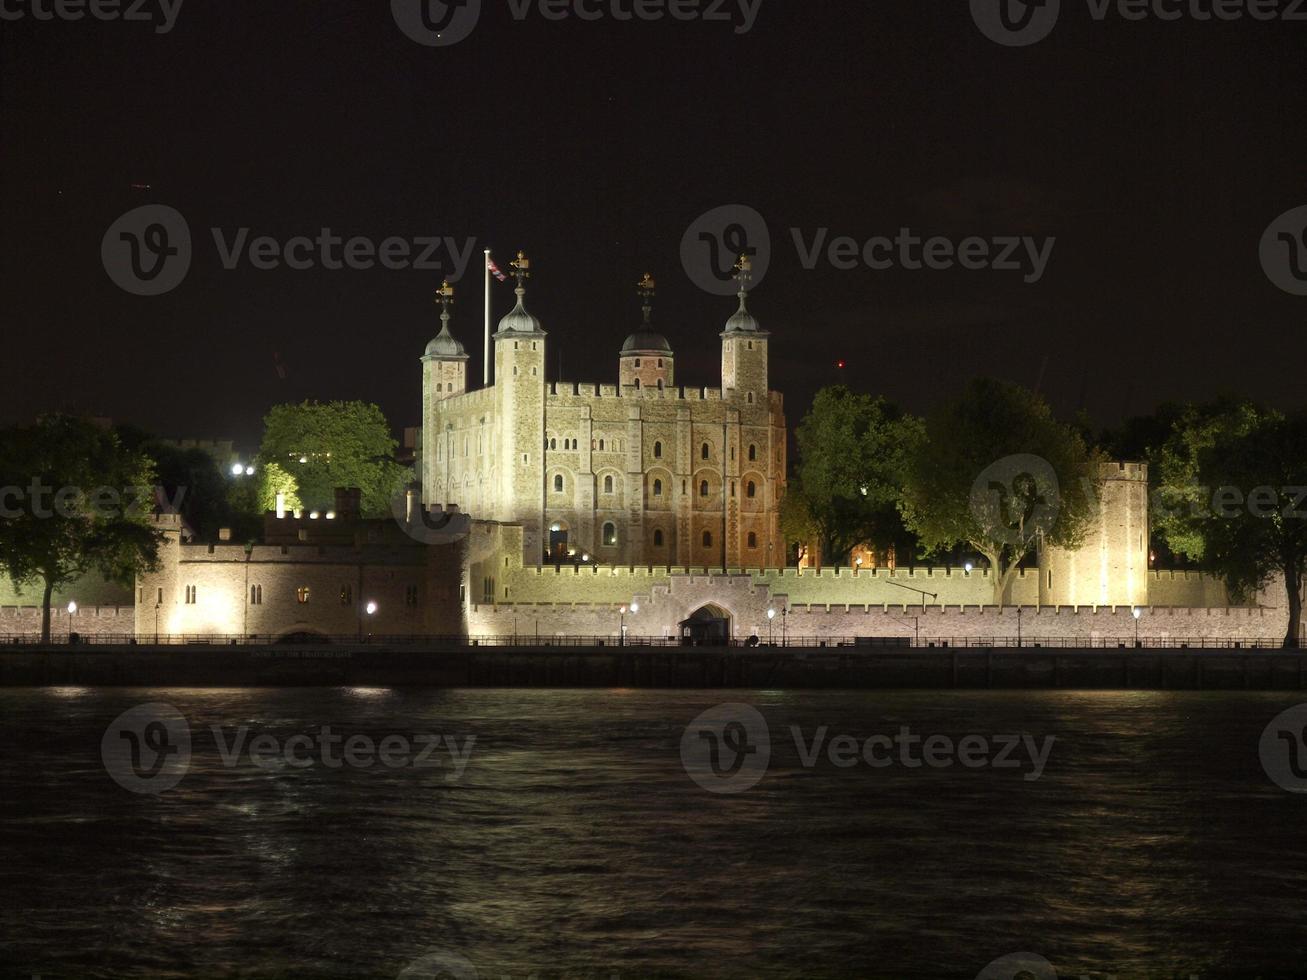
<point>443,346</point>
<point>646,338</point>
<point>742,321</point>
<point>518,320</point>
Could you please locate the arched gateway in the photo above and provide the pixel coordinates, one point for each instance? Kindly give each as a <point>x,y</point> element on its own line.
<point>707,626</point>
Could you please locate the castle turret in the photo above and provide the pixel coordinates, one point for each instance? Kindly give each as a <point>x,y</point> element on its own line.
<point>444,365</point>
<point>520,403</point>
<point>1110,567</point>
<point>744,348</point>
<point>647,359</point>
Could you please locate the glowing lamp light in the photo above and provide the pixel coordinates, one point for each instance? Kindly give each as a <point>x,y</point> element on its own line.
<point>967,568</point>
<point>313,515</point>
<point>72,608</point>
<point>635,607</point>
<point>304,459</point>
<point>371,608</point>
<point>857,561</point>
<point>331,515</point>
<point>623,610</point>
<point>1136,612</point>
<point>585,557</point>
<point>249,471</point>
<point>771,613</point>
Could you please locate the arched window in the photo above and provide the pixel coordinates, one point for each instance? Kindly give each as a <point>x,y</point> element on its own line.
<point>703,488</point>
<point>707,539</point>
<point>658,488</point>
<point>439,386</point>
<point>637,364</point>
<point>601,445</point>
<point>658,450</point>
<point>751,489</point>
<point>660,384</point>
<point>749,398</point>
<point>753,452</point>
<point>610,533</point>
<point>658,537</point>
<point>553,443</point>
<point>608,484</point>
<point>558,483</point>
<point>703,451</point>
<point>637,383</point>
<point>753,540</point>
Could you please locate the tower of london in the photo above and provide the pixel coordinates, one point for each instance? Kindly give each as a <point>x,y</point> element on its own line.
<point>641,472</point>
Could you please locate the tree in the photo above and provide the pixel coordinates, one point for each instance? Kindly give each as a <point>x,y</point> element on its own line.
<point>1246,484</point>
<point>998,472</point>
<point>853,452</point>
<point>83,503</point>
<point>336,444</point>
<point>1182,502</point>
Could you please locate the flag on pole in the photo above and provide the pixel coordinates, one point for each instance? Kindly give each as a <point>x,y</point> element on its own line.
<point>494,270</point>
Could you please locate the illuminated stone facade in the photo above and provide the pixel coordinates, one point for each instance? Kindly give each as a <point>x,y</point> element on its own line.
<point>640,472</point>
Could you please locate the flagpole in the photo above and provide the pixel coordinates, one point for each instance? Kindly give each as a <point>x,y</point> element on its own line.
<point>486,365</point>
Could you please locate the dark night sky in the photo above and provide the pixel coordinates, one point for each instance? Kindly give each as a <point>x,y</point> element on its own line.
<point>1156,153</point>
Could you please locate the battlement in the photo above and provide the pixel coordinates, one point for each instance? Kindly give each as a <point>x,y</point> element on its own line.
<point>1125,470</point>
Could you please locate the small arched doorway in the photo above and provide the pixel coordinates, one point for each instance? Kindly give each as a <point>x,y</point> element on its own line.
<point>708,625</point>
<point>558,540</point>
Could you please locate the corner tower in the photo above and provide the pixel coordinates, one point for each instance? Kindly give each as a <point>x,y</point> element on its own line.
<point>444,376</point>
<point>744,348</point>
<point>647,359</point>
<point>520,417</point>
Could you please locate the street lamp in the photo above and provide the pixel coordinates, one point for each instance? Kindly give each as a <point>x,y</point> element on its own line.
<point>370,609</point>
<point>72,611</point>
<point>785,641</point>
<point>622,639</point>
<point>967,568</point>
<point>771,615</point>
<point>1136,612</point>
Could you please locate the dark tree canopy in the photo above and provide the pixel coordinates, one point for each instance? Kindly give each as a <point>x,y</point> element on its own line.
<point>998,472</point>
<point>85,503</point>
<point>326,445</point>
<point>853,453</point>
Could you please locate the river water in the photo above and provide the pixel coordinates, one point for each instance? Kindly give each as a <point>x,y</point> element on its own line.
<point>512,833</point>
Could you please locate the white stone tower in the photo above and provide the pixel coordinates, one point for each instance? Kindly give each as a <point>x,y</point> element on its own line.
<point>519,410</point>
<point>444,375</point>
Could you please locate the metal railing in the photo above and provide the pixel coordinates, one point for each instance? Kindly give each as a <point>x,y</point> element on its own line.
<point>531,641</point>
